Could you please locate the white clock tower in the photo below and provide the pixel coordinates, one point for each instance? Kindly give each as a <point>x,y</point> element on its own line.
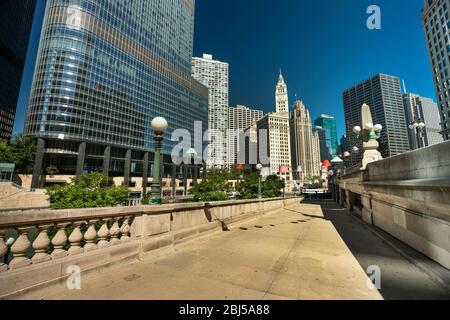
<point>281,96</point>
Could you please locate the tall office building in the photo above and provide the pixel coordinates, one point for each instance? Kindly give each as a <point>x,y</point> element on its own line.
<point>316,159</point>
<point>328,123</point>
<point>383,94</point>
<point>419,109</point>
<point>278,138</point>
<point>214,75</point>
<point>105,69</point>
<point>251,144</point>
<point>324,149</point>
<point>343,146</point>
<point>278,148</point>
<point>239,119</point>
<point>436,24</point>
<point>305,150</point>
<point>16,21</point>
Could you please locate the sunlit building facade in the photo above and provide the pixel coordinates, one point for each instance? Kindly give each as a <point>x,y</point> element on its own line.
<point>305,144</point>
<point>213,74</point>
<point>436,25</point>
<point>105,69</point>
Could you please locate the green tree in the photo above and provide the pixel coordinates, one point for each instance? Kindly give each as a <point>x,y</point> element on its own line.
<point>24,149</point>
<point>248,187</point>
<point>88,191</point>
<point>272,187</point>
<point>236,174</point>
<point>214,188</point>
<point>6,153</point>
<point>21,151</point>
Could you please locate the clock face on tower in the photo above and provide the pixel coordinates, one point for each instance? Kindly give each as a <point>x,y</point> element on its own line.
<point>281,94</point>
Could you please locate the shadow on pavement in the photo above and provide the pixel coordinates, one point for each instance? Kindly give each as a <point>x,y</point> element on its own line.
<point>401,279</point>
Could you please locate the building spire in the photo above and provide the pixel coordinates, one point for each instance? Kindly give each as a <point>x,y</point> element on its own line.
<point>281,78</point>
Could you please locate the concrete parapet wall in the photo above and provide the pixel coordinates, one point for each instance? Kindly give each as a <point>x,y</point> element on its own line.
<point>407,196</point>
<point>427,163</point>
<point>426,234</point>
<point>114,235</point>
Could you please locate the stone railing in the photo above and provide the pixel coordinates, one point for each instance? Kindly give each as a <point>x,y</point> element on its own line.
<point>406,196</point>
<point>37,246</point>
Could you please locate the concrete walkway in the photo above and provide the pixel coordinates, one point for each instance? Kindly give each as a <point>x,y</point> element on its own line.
<point>294,254</point>
<point>405,273</point>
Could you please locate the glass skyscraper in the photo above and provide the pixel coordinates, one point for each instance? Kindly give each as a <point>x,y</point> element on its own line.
<point>384,96</point>
<point>16,20</point>
<point>329,138</point>
<point>105,69</point>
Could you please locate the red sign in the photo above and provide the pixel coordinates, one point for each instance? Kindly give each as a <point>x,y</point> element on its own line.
<point>240,166</point>
<point>283,169</point>
<point>326,163</point>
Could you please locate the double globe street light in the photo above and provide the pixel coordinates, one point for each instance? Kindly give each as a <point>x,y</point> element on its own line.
<point>418,126</point>
<point>369,136</point>
<point>369,132</point>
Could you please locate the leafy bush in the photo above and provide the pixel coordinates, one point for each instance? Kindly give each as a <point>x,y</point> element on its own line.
<point>88,191</point>
<point>248,187</point>
<point>21,151</point>
<point>214,188</point>
<point>271,188</point>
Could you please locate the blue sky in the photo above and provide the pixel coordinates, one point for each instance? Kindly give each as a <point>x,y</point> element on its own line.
<point>322,46</point>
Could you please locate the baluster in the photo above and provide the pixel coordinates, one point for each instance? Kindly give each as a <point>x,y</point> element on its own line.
<point>90,236</point>
<point>103,234</point>
<point>75,239</point>
<point>40,245</point>
<point>20,249</point>
<point>59,241</point>
<point>114,232</point>
<point>125,229</point>
<point>3,251</point>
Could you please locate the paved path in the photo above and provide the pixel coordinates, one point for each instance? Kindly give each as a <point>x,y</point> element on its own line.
<point>405,273</point>
<point>288,255</point>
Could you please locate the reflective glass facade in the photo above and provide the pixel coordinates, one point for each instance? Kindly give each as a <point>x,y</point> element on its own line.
<point>328,124</point>
<point>106,68</point>
<point>16,20</point>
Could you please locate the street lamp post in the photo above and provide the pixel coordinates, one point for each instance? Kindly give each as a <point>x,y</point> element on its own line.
<point>193,153</point>
<point>159,125</point>
<point>418,126</point>
<point>259,168</point>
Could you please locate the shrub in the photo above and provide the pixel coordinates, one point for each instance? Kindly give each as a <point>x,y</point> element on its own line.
<point>214,188</point>
<point>88,191</point>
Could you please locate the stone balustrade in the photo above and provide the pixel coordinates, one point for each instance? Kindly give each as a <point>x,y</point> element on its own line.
<point>71,236</point>
<point>44,243</point>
